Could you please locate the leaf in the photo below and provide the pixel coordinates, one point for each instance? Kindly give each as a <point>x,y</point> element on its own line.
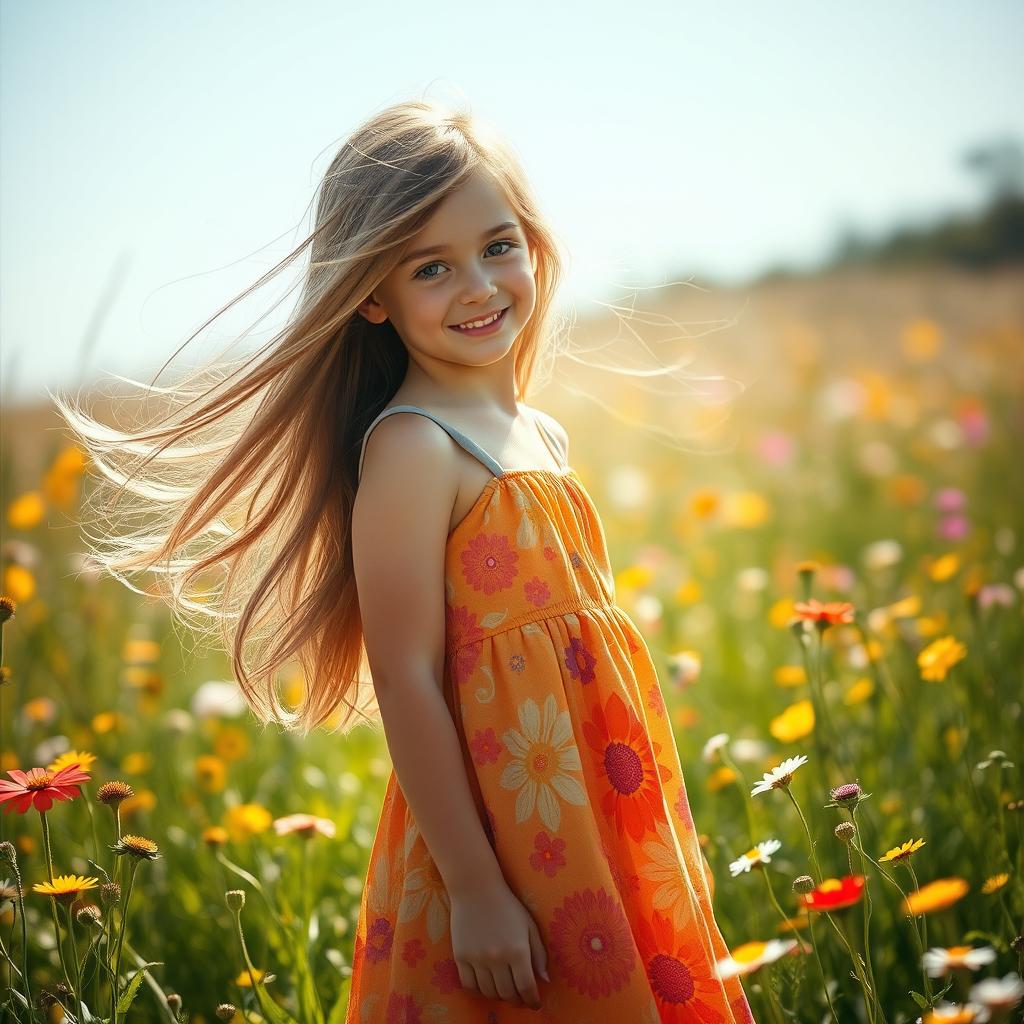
<point>919,999</point>
<point>337,1014</point>
<point>133,986</point>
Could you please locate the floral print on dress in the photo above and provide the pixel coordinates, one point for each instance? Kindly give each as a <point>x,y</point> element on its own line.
<point>575,776</point>
<point>544,762</point>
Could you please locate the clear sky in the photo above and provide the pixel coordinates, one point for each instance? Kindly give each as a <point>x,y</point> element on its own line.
<point>169,150</point>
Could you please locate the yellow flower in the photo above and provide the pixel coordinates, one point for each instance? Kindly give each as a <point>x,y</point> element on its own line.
<point>634,577</point>
<point>144,800</point>
<point>789,675</point>
<point>26,510</point>
<point>19,583</point>
<point>211,773</point>
<point>688,593</point>
<point>796,722</point>
<point>935,896</point>
<point>144,652</point>
<point>994,883</point>
<point>859,692</point>
<point>81,757</point>
<point>720,778</point>
<point>944,567</point>
<point>42,710</point>
<point>704,503</point>
<point>905,608</point>
<point>921,340</point>
<point>781,612</point>
<point>244,981</point>
<point>747,510</point>
<point>898,853</point>
<point>231,743</point>
<point>245,820</point>
<point>107,721</point>
<point>939,657</point>
<point>215,835</point>
<point>954,739</point>
<point>64,888</point>
<point>136,763</point>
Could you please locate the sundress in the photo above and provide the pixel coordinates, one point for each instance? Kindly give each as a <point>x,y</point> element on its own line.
<point>576,778</point>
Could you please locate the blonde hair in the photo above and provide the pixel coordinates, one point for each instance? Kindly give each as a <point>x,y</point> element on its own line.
<point>251,473</point>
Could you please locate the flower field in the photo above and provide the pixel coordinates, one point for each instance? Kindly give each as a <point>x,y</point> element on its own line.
<point>830,581</point>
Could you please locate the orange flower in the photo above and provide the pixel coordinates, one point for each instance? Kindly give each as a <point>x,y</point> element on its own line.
<point>823,615</point>
<point>937,895</point>
<point>39,788</point>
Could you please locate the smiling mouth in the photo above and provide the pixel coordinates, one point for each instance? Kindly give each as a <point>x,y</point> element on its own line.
<point>480,322</point>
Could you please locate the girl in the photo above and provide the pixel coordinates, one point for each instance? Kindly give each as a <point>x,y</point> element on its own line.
<point>377,494</point>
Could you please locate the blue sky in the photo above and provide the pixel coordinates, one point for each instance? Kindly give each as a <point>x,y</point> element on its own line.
<point>173,147</point>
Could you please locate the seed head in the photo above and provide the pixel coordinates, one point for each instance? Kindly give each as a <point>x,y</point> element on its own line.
<point>235,898</point>
<point>803,884</point>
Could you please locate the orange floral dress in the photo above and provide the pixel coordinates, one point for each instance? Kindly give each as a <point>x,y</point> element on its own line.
<point>576,777</point>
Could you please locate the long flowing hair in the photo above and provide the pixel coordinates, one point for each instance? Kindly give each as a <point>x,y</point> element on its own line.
<point>237,495</point>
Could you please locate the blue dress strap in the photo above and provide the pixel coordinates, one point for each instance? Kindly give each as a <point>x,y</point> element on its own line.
<point>460,438</point>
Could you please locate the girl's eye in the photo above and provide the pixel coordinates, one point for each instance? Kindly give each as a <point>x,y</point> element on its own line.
<point>430,277</point>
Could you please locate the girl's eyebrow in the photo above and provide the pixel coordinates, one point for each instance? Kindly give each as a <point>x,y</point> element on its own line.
<point>420,253</point>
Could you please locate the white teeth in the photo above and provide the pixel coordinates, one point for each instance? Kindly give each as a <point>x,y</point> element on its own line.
<point>482,323</point>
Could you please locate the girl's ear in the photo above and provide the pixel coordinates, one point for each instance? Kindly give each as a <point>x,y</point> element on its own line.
<point>372,310</point>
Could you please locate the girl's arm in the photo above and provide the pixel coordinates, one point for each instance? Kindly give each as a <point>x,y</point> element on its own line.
<point>399,529</point>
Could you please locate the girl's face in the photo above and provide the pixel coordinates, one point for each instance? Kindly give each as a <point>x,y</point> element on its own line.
<point>470,261</point>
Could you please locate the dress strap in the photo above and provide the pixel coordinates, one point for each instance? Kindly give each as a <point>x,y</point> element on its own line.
<point>460,438</point>
<point>549,439</point>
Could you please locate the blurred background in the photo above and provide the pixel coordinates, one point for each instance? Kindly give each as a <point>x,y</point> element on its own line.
<point>816,211</point>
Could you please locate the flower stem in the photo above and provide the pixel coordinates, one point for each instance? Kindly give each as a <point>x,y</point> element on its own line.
<point>53,903</point>
<point>120,940</point>
<point>78,993</point>
<point>866,903</point>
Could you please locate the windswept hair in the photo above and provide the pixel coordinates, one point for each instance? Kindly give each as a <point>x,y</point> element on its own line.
<point>238,496</point>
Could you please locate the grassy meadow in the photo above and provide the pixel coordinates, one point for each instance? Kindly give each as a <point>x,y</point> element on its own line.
<point>829,574</point>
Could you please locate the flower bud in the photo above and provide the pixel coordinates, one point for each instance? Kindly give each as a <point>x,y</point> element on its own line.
<point>803,884</point>
<point>235,898</point>
<point>845,831</point>
<point>225,1011</point>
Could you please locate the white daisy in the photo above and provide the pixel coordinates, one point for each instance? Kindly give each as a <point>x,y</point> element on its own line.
<point>779,778</point>
<point>760,854</point>
<point>751,955</point>
<point>939,961</point>
<point>713,745</point>
<point>998,994</point>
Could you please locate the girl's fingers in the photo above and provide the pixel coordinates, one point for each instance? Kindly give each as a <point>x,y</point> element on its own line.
<point>538,953</point>
<point>505,984</point>
<point>485,982</point>
<point>467,979</point>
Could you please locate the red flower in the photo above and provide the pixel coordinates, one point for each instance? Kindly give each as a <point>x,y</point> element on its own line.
<point>834,893</point>
<point>831,613</point>
<point>39,788</point>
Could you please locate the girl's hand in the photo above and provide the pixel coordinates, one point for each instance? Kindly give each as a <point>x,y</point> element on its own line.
<point>497,945</point>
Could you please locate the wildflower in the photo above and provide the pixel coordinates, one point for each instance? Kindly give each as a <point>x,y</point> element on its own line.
<point>789,675</point>
<point>780,777</point>
<point>65,888</point>
<point>795,722</point>
<point>903,852</point>
<point>950,1013</point>
<point>7,607</point>
<point>713,745</point>
<point>995,757</point>
<point>235,898</point>
<point>803,884</point>
<point>136,846</point>
<point>110,893</point>
<point>244,981</point>
<point>845,831</point>
<point>112,793</point>
<point>849,794</point>
<point>82,758</point>
<point>305,825</point>
<point>882,554</point>
<point>939,657</point>
<point>998,994</point>
<point>824,614</point>
<point>89,914</point>
<point>245,820</point>
<point>939,961</point>
<point>750,956</point>
<point>39,788</point>
<point>994,883</point>
<point>760,854</point>
<point>834,893</point>
<point>211,773</point>
<point>215,836</point>
<point>937,895</point>
<point>684,668</point>
<point>720,778</point>
<point>225,1011</point>
<point>173,1001</point>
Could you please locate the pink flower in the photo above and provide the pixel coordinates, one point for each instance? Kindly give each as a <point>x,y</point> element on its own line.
<point>38,788</point>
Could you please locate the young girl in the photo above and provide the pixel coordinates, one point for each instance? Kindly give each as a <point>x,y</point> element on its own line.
<point>381,496</point>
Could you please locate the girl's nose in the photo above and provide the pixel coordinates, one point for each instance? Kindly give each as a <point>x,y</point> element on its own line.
<point>478,286</point>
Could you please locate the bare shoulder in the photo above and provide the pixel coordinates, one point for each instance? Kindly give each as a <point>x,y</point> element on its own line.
<point>400,521</point>
<point>555,427</point>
